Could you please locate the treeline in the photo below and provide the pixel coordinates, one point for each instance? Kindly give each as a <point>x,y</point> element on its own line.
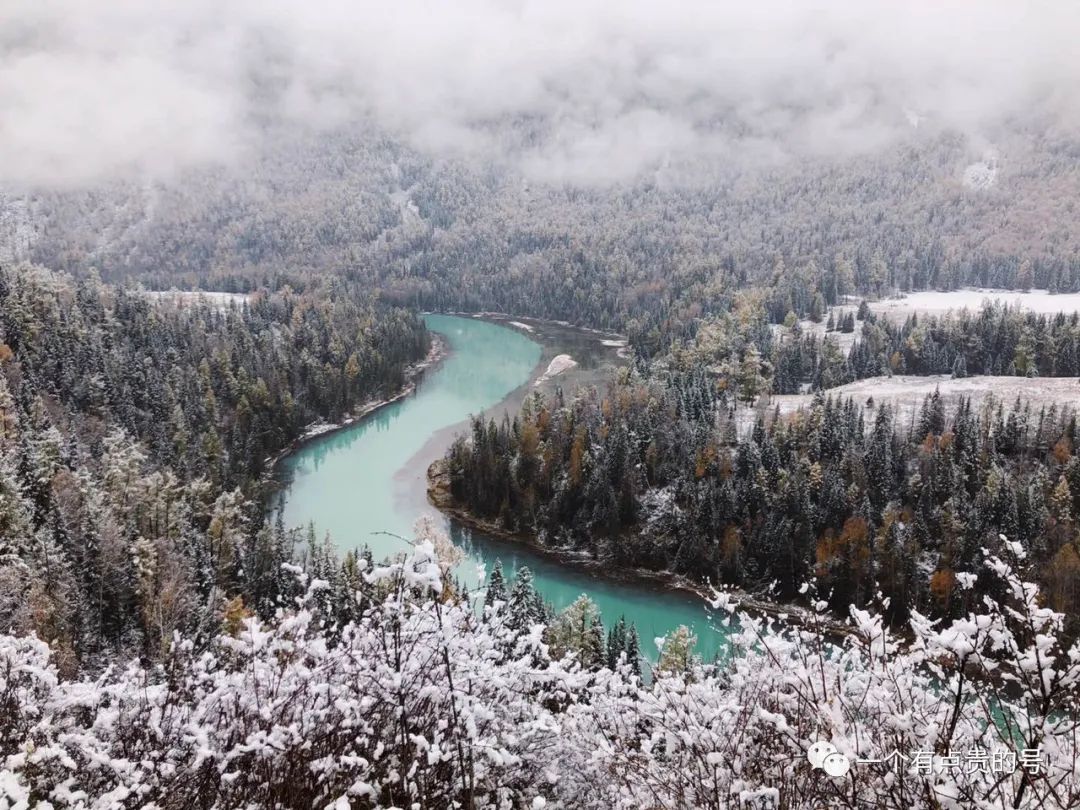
<point>211,390</point>
<point>646,258</point>
<point>995,340</point>
<point>577,630</point>
<point>868,503</point>
<point>750,357</point>
<point>132,438</point>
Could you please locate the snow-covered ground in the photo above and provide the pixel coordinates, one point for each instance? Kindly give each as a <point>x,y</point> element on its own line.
<point>410,213</point>
<point>906,394</point>
<point>559,363</point>
<point>981,175</point>
<point>845,340</point>
<point>931,302</point>
<point>217,300</point>
<point>523,326</point>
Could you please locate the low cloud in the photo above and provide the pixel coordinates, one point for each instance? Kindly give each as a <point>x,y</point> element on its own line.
<point>569,91</point>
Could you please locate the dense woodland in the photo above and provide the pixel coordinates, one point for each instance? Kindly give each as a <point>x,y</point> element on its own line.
<point>733,190</point>
<point>656,473</point>
<point>267,671</point>
<point>646,258</point>
<point>133,438</point>
<point>136,434</point>
<point>994,340</point>
<point>751,356</point>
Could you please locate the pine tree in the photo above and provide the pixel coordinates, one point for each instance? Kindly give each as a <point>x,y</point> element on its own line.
<point>496,586</point>
<point>932,415</point>
<point>524,607</point>
<point>1061,501</point>
<point>750,379</point>
<point>1024,276</point>
<point>9,419</point>
<point>579,631</point>
<point>616,643</point>
<point>16,512</point>
<point>633,650</point>
<point>1024,359</point>
<point>677,652</point>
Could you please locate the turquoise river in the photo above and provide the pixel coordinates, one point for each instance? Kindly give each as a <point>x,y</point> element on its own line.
<point>365,484</point>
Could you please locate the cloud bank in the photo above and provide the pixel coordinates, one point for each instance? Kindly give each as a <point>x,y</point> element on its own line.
<point>576,91</point>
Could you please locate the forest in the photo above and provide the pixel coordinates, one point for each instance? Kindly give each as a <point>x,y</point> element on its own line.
<point>736,196</point>
<point>655,473</point>
<point>752,356</point>
<point>133,441</point>
<point>164,645</point>
<point>645,257</point>
<point>137,433</point>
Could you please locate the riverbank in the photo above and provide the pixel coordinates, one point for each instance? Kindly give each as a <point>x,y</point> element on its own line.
<point>439,495</point>
<point>529,324</point>
<point>572,357</point>
<point>366,485</point>
<point>438,352</point>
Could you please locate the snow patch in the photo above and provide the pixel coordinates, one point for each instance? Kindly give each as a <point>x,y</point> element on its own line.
<point>982,174</point>
<point>317,429</point>
<point>931,302</point>
<point>180,298</point>
<point>521,325</point>
<point>559,364</point>
<point>906,393</point>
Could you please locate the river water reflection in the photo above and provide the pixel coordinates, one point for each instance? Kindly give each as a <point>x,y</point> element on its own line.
<point>366,483</point>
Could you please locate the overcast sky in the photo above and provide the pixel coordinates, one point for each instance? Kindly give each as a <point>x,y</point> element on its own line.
<point>578,91</point>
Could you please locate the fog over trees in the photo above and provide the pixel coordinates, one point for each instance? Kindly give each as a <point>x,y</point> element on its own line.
<point>731,187</point>
<point>647,166</point>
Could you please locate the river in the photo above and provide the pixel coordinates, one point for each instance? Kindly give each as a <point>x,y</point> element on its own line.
<point>366,484</point>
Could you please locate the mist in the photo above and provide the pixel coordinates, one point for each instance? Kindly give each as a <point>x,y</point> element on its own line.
<point>578,92</point>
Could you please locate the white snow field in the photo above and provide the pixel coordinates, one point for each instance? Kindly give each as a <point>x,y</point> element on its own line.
<point>180,298</point>
<point>905,394</point>
<point>981,175</point>
<point>931,302</point>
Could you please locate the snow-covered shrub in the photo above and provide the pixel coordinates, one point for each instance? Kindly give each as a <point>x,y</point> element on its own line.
<point>996,691</point>
<point>420,703</point>
<point>26,682</point>
<point>413,705</point>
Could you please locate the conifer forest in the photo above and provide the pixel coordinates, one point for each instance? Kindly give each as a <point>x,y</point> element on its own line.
<point>722,359</point>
